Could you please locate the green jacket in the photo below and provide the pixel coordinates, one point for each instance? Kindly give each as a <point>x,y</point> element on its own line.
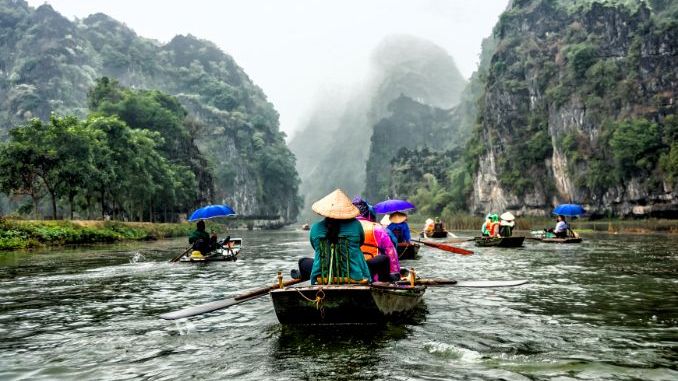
<point>197,234</point>
<point>351,232</point>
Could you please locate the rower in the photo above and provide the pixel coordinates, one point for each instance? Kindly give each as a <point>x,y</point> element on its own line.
<point>562,227</point>
<point>438,225</point>
<point>201,240</point>
<point>400,228</point>
<point>506,225</point>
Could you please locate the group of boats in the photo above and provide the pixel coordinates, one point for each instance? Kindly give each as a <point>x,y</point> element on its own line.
<point>297,302</point>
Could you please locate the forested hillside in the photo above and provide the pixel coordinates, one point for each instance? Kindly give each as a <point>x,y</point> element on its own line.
<point>49,63</point>
<point>574,101</point>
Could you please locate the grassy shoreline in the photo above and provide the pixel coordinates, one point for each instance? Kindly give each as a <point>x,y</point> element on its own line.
<point>26,234</point>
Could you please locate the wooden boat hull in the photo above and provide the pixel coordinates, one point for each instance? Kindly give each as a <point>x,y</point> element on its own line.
<point>499,241</point>
<point>561,240</point>
<point>223,254</point>
<point>408,251</point>
<point>439,234</point>
<point>345,304</point>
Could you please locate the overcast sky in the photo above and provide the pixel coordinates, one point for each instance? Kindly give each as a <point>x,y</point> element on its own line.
<point>291,48</point>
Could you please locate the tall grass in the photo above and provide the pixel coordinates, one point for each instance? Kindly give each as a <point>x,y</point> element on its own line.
<point>15,234</point>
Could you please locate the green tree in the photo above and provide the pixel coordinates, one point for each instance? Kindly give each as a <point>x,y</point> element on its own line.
<point>636,146</point>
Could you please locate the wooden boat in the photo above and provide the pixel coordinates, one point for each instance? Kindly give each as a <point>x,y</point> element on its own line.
<point>225,252</point>
<point>561,240</point>
<point>345,304</point>
<point>435,234</point>
<point>499,241</point>
<point>407,251</point>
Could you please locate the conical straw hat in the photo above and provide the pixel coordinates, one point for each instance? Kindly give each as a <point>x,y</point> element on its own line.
<point>336,205</point>
<point>385,221</point>
<point>398,217</point>
<point>508,216</point>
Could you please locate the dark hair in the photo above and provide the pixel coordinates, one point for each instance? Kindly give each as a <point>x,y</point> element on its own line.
<point>332,230</point>
<point>200,225</point>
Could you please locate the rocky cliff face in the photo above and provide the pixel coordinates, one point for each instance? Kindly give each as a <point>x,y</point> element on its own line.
<point>578,106</point>
<point>48,63</point>
<point>334,147</point>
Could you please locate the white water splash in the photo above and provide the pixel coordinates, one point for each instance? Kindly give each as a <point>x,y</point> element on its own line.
<point>137,257</point>
<point>452,351</point>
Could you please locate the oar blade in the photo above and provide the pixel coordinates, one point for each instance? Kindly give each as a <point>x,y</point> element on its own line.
<point>445,247</point>
<point>204,308</point>
<point>490,283</point>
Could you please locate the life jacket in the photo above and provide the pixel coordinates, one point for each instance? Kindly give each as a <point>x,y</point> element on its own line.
<point>491,228</point>
<point>369,247</point>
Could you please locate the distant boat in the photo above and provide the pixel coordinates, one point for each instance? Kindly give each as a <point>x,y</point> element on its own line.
<point>226,252</point>
<point>561,240</point>
<point>499,241</point>
<point>305,227</point>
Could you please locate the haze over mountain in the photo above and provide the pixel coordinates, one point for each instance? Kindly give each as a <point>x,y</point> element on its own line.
<point>291,48</point>
<point>332,150</point>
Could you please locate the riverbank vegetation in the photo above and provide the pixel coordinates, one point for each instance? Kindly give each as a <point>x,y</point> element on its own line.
<point>132,158</point>
<point>24,234</point>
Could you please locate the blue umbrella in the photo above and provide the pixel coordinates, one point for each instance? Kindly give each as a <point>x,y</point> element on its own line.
<point>212,211</point>
<point>392,206</point>
<point>569,210</point>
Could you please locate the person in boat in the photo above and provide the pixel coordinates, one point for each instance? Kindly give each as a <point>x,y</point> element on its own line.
<point>201,240</point>
<point>562,227</point>
<point>336,241</point>
<point>400,228</point>
<point>438,226</point>
<point>483,229</point>
<point>491,226</point>
<point>385,222</point>
<point>506,224</point>
<point>380,252</point>
<point>428,226</point>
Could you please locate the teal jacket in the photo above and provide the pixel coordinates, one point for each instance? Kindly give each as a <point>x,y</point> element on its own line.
<point>352,231</point>
<point>197,234</point>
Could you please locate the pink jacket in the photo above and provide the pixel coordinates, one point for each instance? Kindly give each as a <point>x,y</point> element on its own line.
<point>385,245</point>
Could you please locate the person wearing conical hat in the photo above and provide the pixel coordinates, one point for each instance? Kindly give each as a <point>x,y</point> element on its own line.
<point>385,222</point>
<point>336,241</point>
<point>506,224</point>
<point>399,227</point>
<point>380,252</point>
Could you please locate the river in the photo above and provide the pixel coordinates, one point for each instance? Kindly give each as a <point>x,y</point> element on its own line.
<point>604,309</point>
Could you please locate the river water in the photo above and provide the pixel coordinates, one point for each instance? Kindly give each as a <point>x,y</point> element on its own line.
<point>605,309</point>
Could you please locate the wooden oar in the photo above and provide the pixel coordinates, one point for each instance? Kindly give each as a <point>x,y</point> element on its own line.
<point>224,303</point>
<point>456,283</point>
<point>180,255</point>
<point>445,247</point>
<point>471,283</point>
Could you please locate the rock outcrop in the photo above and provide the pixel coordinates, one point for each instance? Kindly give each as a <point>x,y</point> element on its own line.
<point>568,85</point>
